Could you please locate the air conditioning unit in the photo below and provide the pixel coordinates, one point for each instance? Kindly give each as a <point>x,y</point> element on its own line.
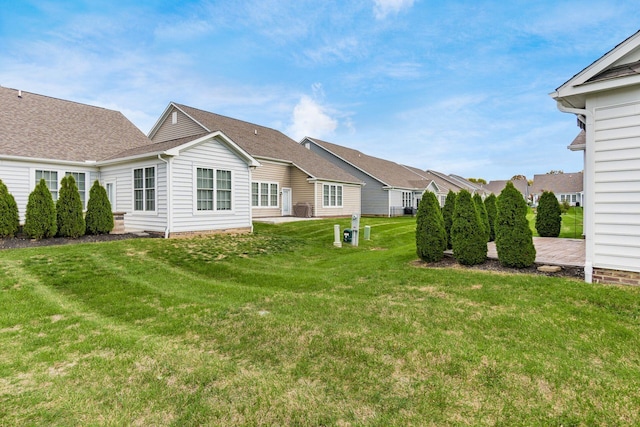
<point>302,210</point>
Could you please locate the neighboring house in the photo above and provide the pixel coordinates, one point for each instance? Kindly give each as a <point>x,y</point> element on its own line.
<point>390,189</point>
<point>605,97</point>
<point>455,183</point>
<point>290,180</point>
<point>496,187</point>
<point>567,187</point>
<point>193,185</point>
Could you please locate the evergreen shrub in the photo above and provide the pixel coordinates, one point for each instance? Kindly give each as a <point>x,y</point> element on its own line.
<point>99,219</point>
<point>69,209</point>
<point>9,219</point>
<point>40,218</point>
<point>467,233</point>
<point>431,237</point>
<point>514,241</point>
<point>548,218</point>
<point>447,214</point>
<point>484,218</point>
<point>492,211</point>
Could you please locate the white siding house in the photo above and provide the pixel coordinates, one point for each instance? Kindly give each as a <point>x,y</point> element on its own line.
<point>605,97</point>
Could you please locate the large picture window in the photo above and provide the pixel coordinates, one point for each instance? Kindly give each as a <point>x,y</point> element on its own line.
<point>213,188</point>
<point>144,189</point>
<point>332,195</point>
<point>264,194</point>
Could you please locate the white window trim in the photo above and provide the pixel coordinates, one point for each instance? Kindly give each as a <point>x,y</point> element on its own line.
<point>269,206</point>
<point>133,191</point>
<point>215,210</point>
<point>61,174</point>
<point>115,196</point>
<point>336,206</point>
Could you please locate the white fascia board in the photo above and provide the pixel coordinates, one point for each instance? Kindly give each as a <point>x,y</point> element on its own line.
<point>52,161</point>
<point>577,147</point>
<point>131,158</point>
<point>599,86</point>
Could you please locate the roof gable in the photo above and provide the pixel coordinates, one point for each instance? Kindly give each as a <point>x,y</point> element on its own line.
<point>262,143</point>
<point>617,68</point>
<point>41,127</point>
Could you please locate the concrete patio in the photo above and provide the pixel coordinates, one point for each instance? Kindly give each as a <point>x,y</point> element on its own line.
<point>552,251</point>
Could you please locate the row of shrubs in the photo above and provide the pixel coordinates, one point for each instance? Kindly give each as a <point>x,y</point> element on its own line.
<point>465,224</point>
<point>64,218</point>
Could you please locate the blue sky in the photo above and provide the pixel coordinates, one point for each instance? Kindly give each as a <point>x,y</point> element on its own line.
<point>457,86</point>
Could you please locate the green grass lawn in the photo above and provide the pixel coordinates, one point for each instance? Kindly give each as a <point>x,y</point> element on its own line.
<point>281,328</point>
<point>571,226</point>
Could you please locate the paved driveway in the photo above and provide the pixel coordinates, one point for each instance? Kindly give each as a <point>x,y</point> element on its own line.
<point>552,251</point>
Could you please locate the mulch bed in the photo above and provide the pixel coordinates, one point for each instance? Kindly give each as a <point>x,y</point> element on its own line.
<point>22,241</point>
<point>493,265</point>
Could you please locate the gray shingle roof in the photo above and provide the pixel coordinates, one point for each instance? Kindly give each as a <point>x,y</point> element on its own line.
<point>387,172</point>
<point>263,142</point>
<point>618,71</point>
<point>497,186</point>
<point>579,142</point>
<point>558,183</point>
<point>37,126</point>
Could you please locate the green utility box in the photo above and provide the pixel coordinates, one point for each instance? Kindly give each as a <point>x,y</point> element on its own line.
<point>347,235</point>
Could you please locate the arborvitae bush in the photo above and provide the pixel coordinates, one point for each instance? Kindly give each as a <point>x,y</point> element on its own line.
<point>548,218</point>
<point>484,218</point>
<point>99,217</point>
<point>447,214</point>
<point>467,234</point>
<point>69,209</point>
<point>492,211</point>
<point>9,219</point>
<point>514,241</point>
<point>431,237</point>
<point>40,219</point>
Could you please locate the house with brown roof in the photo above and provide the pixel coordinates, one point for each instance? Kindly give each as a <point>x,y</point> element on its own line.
<point>567,187</point>
<point>291,180</point>
<point>605,98</point>
<point>188,185</point>
<point>455,183</point>
<point>390,189</point>
<point>496,187</point>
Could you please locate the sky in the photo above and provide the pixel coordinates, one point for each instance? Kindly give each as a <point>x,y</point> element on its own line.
<point>461,87</point>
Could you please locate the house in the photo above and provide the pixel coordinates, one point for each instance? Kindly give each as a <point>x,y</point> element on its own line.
<point>605,97</point>
<point>189,185</point>
<point>567,187</point>
<point>496,187</point>
<point>390,189</point>
<point>291,180</point>
<point>455,183</point>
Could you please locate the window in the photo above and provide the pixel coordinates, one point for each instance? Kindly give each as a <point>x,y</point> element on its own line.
<point>51,179</point>
<point>111,188</point>
<point>407,199</point>
<point>80,182</point>
<point>264,194</point>
<point>204,189</point>
<point>223,190</point>
<point>144,189</point>
<point>332,195</point>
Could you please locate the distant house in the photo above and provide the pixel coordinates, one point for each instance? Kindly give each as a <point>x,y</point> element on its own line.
<point>496,187</point>
<point>605,97</point>
<point>390,189</point>
<point>567,187</point>
<point>193,185</point>
<point>290,180</point>
<point>455,183</point>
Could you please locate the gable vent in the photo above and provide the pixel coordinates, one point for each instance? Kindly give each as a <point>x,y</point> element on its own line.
<point>19,93</point>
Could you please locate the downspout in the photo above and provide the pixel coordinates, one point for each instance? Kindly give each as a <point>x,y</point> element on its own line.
<point>587,187</point>
<point>167,229</point>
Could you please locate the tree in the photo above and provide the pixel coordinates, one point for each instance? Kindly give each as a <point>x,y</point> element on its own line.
<point>431,237</point>
<point>555,172</point>
<point>518,178</point>
<point>99,217</point>
<point>70,218</point>
<point>490,206</point>
<point>9,219</point>
<point>40,218</point>
<point>484,218</point>
<point>477,180</point>
<point>467,234</point>
<point>514,241</point>
<point>548,218</point>
<point>447,214</point>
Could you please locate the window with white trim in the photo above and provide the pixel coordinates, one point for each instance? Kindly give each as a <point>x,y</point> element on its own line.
<point>144,189</point>
<point>407,199</point>
<point>213,188</point>
<point>332,195</point>
<point>223,190</point>
<point>264,194</point>
<point>204,189</point>
<point>51,179</point>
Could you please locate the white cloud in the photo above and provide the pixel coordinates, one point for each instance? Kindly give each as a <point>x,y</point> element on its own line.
<point>310,119</point>
<point>382,8</point>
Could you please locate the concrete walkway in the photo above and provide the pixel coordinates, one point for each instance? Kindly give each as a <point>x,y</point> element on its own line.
<point>552,251</point>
